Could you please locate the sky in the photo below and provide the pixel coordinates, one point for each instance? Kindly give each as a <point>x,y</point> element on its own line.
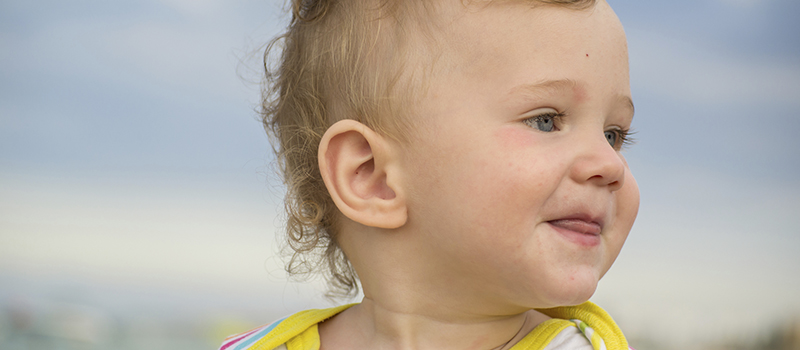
<point>135,175</point>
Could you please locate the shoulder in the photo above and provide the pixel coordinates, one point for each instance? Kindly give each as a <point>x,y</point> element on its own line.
<point>300,328</point>
<point>585,326</point>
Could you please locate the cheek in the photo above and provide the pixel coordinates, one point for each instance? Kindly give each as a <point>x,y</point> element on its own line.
<point>628,202</point>
<point>534,161</point>
<point>511,178</point>
<point>515,165</point>
<point>514,150</point>
<point>514,138</point>
<point>627,208</point>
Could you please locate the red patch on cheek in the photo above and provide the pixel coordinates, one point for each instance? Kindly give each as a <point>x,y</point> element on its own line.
<point>514,149</point>
<point>512,138</point>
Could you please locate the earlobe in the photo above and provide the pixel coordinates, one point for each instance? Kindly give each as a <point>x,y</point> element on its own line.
<point>357,166</point>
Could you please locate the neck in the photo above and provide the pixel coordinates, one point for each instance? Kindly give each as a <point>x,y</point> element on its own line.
<point>378,326</point>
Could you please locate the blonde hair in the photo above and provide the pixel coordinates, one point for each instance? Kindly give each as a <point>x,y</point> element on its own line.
<point>338,59</point>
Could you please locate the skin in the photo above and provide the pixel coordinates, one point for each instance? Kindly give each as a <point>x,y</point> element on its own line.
<point>459,233</point>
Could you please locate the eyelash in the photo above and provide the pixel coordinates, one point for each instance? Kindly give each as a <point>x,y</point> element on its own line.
<point>622,140</point>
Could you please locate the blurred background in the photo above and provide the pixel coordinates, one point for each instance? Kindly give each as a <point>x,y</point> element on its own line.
<point>138,204</point>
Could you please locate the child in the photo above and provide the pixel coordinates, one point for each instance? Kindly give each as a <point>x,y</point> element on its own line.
<point>462,159</point>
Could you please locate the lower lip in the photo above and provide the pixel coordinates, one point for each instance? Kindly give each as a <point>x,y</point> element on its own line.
<point>579,238</point>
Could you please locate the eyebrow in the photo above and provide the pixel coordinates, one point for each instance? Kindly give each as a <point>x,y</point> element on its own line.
<point>548,87</point>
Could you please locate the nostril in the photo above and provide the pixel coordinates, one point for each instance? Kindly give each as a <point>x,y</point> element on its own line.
<point>616,185</point>
<point>607,180</point>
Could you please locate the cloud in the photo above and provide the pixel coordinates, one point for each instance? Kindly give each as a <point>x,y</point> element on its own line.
<point>196,7</point>
<point>187,58</point>
<point>697,74</point>
<point>196,53</point>
<point>144,231</point>
<point>742,3</point>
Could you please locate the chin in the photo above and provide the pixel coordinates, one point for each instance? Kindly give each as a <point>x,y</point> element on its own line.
<point>573,290</point>
<point>581,296</point>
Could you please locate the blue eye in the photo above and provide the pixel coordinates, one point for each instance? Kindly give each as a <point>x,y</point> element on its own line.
<point>544,122</point>
<point>619,138</point>
<point>611,137</point>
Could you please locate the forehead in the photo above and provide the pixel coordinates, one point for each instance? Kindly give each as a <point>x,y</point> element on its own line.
<point>493,50</point>
<point>533,43</point>
<point>479,27</point>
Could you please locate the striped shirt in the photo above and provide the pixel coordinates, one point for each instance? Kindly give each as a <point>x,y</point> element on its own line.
<point>582,327</point>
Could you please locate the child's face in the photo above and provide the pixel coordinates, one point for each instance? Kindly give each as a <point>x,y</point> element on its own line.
<point>521,211</point>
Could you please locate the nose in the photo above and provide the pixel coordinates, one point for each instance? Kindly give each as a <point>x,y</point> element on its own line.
<point>599,164</point>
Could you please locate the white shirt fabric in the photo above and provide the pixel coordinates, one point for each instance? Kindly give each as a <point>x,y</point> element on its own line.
<point>570,338</point>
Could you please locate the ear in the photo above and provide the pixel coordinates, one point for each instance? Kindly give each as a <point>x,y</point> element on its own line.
<point>358,168</point>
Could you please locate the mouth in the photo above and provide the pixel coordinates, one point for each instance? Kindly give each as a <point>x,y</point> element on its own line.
<point>581,230</point>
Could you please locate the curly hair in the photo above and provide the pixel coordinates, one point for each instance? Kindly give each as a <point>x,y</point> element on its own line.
<point>338,59</point>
